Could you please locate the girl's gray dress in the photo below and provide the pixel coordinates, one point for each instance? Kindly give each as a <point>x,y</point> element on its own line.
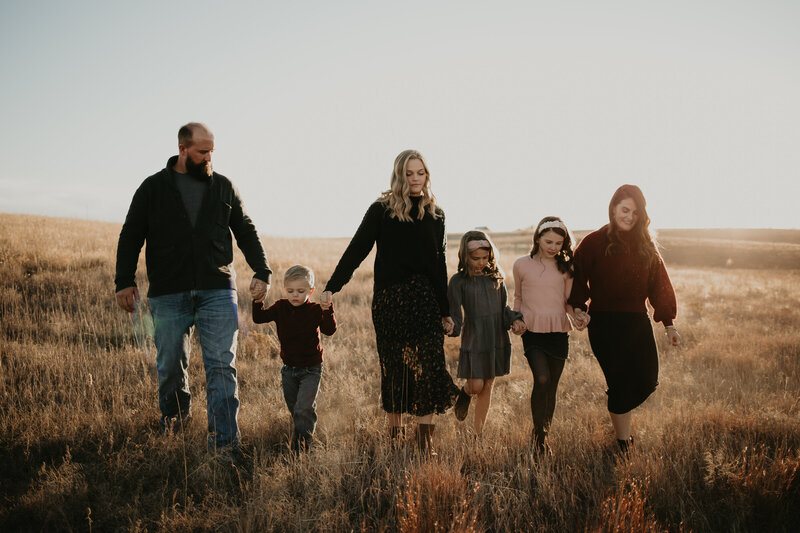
<point>485,345</point>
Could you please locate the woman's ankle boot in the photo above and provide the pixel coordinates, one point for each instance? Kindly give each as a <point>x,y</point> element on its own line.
<point>425,439</point>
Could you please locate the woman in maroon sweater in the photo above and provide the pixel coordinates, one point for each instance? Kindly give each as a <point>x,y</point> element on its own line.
<point>618,268</point>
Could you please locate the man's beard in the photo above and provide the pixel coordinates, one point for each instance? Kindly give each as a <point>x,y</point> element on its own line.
<point>198,170</point>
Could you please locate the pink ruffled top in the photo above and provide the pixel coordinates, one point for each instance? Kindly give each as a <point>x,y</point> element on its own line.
<point>540,294</point>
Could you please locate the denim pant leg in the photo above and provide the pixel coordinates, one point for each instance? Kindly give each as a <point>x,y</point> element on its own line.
<point>217,324</point>
<point>300,388</point>
<point>172,319</point>
<point>290,383</point>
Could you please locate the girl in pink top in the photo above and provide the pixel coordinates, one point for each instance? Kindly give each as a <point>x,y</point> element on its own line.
<point>542,284</point>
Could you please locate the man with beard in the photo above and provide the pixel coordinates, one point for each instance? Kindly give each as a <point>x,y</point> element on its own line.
<point>186,213</point>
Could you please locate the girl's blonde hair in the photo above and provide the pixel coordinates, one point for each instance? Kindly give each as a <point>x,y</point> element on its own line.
<point>492,269</point>
<point>397,199</point>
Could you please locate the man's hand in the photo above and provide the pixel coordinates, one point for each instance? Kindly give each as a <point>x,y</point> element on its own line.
<point>518,327</point>
<point>259,290</point>
<point>127,298</point>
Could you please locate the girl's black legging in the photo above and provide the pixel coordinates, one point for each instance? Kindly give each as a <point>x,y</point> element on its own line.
<point>546,373</point>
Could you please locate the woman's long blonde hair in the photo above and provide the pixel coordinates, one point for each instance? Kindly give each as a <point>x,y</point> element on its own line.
<point>397,199</point>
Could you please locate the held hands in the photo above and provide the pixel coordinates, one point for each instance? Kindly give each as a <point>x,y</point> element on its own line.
<point>127,298</point>
<point>448,325</point>
<point>259,290</point>
<point>325,300</point>
<point>581,318</point>
<point>518,327</point>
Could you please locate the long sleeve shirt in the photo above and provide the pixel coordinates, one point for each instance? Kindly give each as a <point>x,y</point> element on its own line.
<point>540,294</point>
<point>182,256</point>
<point>620,282</point>
<point>404,249</point>
<point>298,329</point>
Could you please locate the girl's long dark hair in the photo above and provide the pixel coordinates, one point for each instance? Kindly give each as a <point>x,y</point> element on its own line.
<point>564,256</point>
<point>643,242</point>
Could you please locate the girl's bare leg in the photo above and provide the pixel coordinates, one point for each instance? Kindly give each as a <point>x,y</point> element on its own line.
<point>482,405</point>
<point>394,419</point>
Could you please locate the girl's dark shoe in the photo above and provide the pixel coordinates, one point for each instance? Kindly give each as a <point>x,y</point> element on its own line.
<point>462,405</point>
<point>538,437</point>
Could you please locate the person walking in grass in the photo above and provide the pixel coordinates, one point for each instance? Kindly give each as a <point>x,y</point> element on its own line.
<point>410,311</point>
<point>618,268</point>
<point>299,323</point>
<point>485,351</point>
<point>542,284</point>
<point>186,214</point>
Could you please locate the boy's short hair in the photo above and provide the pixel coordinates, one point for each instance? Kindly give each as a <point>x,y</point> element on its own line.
<point>296,272</point>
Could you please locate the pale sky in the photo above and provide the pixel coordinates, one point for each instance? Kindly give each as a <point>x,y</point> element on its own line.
<point>523,109</point>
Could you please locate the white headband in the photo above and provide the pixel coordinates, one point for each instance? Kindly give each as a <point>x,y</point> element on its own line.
<point>476,245</point>
<point>551,224</point>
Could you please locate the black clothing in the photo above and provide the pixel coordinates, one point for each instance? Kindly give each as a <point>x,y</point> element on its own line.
<point>546,354</point>
<point>404,249</point>
<point>181,257</point>
<point>629,361</point>
<point>408,331</point>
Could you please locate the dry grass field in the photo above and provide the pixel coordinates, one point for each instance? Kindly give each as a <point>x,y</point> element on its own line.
<point>718,444</point>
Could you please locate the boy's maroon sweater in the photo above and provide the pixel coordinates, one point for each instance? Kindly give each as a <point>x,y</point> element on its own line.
<point>298,329</point>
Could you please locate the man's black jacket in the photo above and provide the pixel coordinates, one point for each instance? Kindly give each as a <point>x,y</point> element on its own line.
<point>181,258</point>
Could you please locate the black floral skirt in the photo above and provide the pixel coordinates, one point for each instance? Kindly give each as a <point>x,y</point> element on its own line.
<point>408,331</point>
<point>624,345</point>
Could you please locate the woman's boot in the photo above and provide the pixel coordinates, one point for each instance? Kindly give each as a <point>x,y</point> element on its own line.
<point>425,438</point>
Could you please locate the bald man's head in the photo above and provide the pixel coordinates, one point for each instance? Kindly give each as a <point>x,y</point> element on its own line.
<point>193,131</point>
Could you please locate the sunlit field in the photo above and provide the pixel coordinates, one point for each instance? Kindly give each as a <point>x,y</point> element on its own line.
<point>717,445</point>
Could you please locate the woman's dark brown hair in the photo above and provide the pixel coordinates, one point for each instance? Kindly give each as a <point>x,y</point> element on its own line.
<point>643,242</point>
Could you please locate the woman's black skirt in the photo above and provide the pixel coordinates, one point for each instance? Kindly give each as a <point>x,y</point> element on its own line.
<point>624,345</point>
<point>408,330</point>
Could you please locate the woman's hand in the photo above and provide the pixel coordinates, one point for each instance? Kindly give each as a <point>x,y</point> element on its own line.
<point>448,325</point>
<point>326,299</point>
<point>673,337</point>
<point>518,327</point>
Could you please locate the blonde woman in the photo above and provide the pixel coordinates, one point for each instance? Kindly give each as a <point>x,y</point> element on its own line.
<point>410,310</point>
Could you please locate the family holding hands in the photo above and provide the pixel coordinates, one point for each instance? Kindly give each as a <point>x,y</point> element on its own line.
<point>615,269</point>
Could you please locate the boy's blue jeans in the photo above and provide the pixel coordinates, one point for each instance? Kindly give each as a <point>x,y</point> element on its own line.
<point>300,387</point>
<point>213,313</point>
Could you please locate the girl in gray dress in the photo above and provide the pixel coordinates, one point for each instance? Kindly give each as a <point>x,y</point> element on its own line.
<point>485,352</point>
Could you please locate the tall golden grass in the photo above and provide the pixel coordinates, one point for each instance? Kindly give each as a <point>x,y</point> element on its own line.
<point>718,444</point>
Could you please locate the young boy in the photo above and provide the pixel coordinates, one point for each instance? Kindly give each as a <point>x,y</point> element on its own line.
<point>299,323</point>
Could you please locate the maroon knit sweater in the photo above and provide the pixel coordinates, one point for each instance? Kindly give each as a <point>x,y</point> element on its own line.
<point>298,329</point>
<point>620,282</point>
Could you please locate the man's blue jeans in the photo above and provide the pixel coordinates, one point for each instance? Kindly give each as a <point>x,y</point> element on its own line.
<point>300,387</point>
<point>213,313</point>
